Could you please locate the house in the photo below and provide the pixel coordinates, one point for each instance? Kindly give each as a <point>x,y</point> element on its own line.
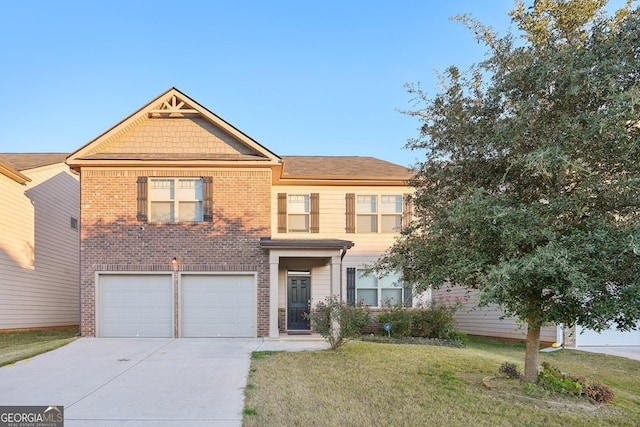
<point>39,241</point>
<point>491,322</point>
<point>191,228</point>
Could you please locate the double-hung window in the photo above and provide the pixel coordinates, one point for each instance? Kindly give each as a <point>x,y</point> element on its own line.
<point>374,217</point>
<point>298,212</point>
<point>379,291</point>
<point>175,199</point>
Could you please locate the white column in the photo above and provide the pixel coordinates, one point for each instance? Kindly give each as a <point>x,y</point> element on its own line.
<point>335,277</point>
<point>274,262</point>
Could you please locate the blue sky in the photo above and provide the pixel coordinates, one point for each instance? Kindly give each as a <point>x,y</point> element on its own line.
<point>300,77</point>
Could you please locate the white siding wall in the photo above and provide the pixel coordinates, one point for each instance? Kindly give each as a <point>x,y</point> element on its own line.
<point>39,252</point>
<point>486,321</point>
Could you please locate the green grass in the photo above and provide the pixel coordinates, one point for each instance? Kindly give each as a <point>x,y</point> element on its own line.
<point>371,384</point>
<point>20,345</point>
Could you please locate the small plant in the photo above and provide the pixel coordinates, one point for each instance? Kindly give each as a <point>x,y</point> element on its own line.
<point>552,379</point>
<point>338,322</point>
<point>510,370</point>
<point>599,392</point>
<point>459,336</point>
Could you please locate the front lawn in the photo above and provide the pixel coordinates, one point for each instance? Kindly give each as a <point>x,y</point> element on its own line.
<point>372,384</point>
<point>20,345</point>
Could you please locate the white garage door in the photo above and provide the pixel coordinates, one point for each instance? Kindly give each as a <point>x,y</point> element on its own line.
<point>611,337</point>
<point>218,306</point>
<point>136,305</point>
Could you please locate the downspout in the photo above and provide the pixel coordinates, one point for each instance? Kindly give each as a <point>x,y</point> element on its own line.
<point>344,252</point>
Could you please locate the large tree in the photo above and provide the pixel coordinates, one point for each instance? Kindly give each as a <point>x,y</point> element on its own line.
<point>530,189</point>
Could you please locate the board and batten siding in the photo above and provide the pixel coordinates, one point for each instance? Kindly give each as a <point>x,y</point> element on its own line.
<point>39,251</point>
<point>485,321</point>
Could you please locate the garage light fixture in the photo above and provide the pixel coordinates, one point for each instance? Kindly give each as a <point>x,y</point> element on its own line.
<point>174,263</point>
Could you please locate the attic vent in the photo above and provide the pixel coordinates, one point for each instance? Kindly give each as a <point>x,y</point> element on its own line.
<point>173,108</point>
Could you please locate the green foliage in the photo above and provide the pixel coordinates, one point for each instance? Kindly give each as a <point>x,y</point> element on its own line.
<point>530,188</point>
<point>338,322</point>
<point>510,370</point>
<point>550,378</point>
<point>435,320</point>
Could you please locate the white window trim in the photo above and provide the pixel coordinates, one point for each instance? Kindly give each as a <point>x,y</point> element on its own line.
<point>176,201</point>
<point>380,303</point>
<point>292,212</point>
<point>379,214</point>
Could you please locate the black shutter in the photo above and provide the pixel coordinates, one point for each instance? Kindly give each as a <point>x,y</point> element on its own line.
<point>350,213</point>
<point>207,196</point>
<point>315,212</point>
<point>351,285</point>
<point>408,295</point>
<point>142,199</point>
<point>282,212</point>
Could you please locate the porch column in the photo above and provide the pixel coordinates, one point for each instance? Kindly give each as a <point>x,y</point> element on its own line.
<point>335,276</point>
<point>274,262</point>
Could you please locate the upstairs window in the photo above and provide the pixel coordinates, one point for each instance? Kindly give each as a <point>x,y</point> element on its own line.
<point>374,217</point>
<point>298,212</point>
<point>175,200</point>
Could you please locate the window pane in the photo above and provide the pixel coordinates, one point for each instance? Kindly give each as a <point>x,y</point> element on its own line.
<point>391,204</point>
<point>392,280</point>
<point>298,203</point>
<point>299,222</point>
<point>367,204</point>
<point>391,296</point>
<point>162,211</point>
<point>190,211</point>
<point>162,189</point>
<point>367,224</point>
<point>367,296</point>
<point>190,189</point>
<point>391,223</point>
<point>366,280</point>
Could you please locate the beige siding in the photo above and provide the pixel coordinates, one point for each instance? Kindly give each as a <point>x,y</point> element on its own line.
<point>39,257</point>
<point>332,217</point>
<point>486,321</point>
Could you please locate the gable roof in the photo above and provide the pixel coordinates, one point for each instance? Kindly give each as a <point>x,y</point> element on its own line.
<point>341,168</point>
<point>11,164</point>
<point>172,129</point>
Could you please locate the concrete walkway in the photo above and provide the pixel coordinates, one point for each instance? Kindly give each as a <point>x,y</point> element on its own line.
<point>142,382</point>
<point>631,352</point>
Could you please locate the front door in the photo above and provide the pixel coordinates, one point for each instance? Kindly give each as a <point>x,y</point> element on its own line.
<point>298,300</point>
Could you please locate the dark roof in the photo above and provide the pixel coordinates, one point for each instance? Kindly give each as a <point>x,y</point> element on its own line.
<point>268,242</point>
<point>355,167</point>
<point>24,161</point>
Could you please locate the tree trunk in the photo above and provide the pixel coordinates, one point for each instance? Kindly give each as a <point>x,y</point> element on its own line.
<point>531,355</point>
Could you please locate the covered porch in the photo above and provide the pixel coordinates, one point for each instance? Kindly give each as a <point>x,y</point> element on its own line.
<point>301,271</point>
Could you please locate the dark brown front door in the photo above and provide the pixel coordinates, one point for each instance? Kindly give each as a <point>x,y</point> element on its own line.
<point>298,300</point>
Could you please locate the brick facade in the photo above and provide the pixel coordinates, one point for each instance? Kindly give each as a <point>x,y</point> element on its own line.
<point>113,240</point>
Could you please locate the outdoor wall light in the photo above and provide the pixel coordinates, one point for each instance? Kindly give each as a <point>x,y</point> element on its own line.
<point>174,262</point>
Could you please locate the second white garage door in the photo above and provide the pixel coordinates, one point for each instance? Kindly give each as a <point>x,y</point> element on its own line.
<point>611,337</point>
<point>218,306</point>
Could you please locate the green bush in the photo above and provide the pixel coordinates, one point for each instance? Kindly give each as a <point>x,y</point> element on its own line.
<point>435,320</point>
<point>350,319</point>
<point>550,378</point>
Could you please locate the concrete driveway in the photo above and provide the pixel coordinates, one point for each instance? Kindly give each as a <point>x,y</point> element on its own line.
<point>140,382</point>
<point>631,352</point>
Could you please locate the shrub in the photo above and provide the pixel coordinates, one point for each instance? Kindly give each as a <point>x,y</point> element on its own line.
<point>510,370</point>
<point>550,378</point>
<point>349,319</point>
<point>459,336</point>
<point>599,392</point>
<point>435,320</point>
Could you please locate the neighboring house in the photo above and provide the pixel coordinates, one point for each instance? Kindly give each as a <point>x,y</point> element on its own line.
<point>490,321</point>
<point>190,228</point>
<point>39,241</point>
